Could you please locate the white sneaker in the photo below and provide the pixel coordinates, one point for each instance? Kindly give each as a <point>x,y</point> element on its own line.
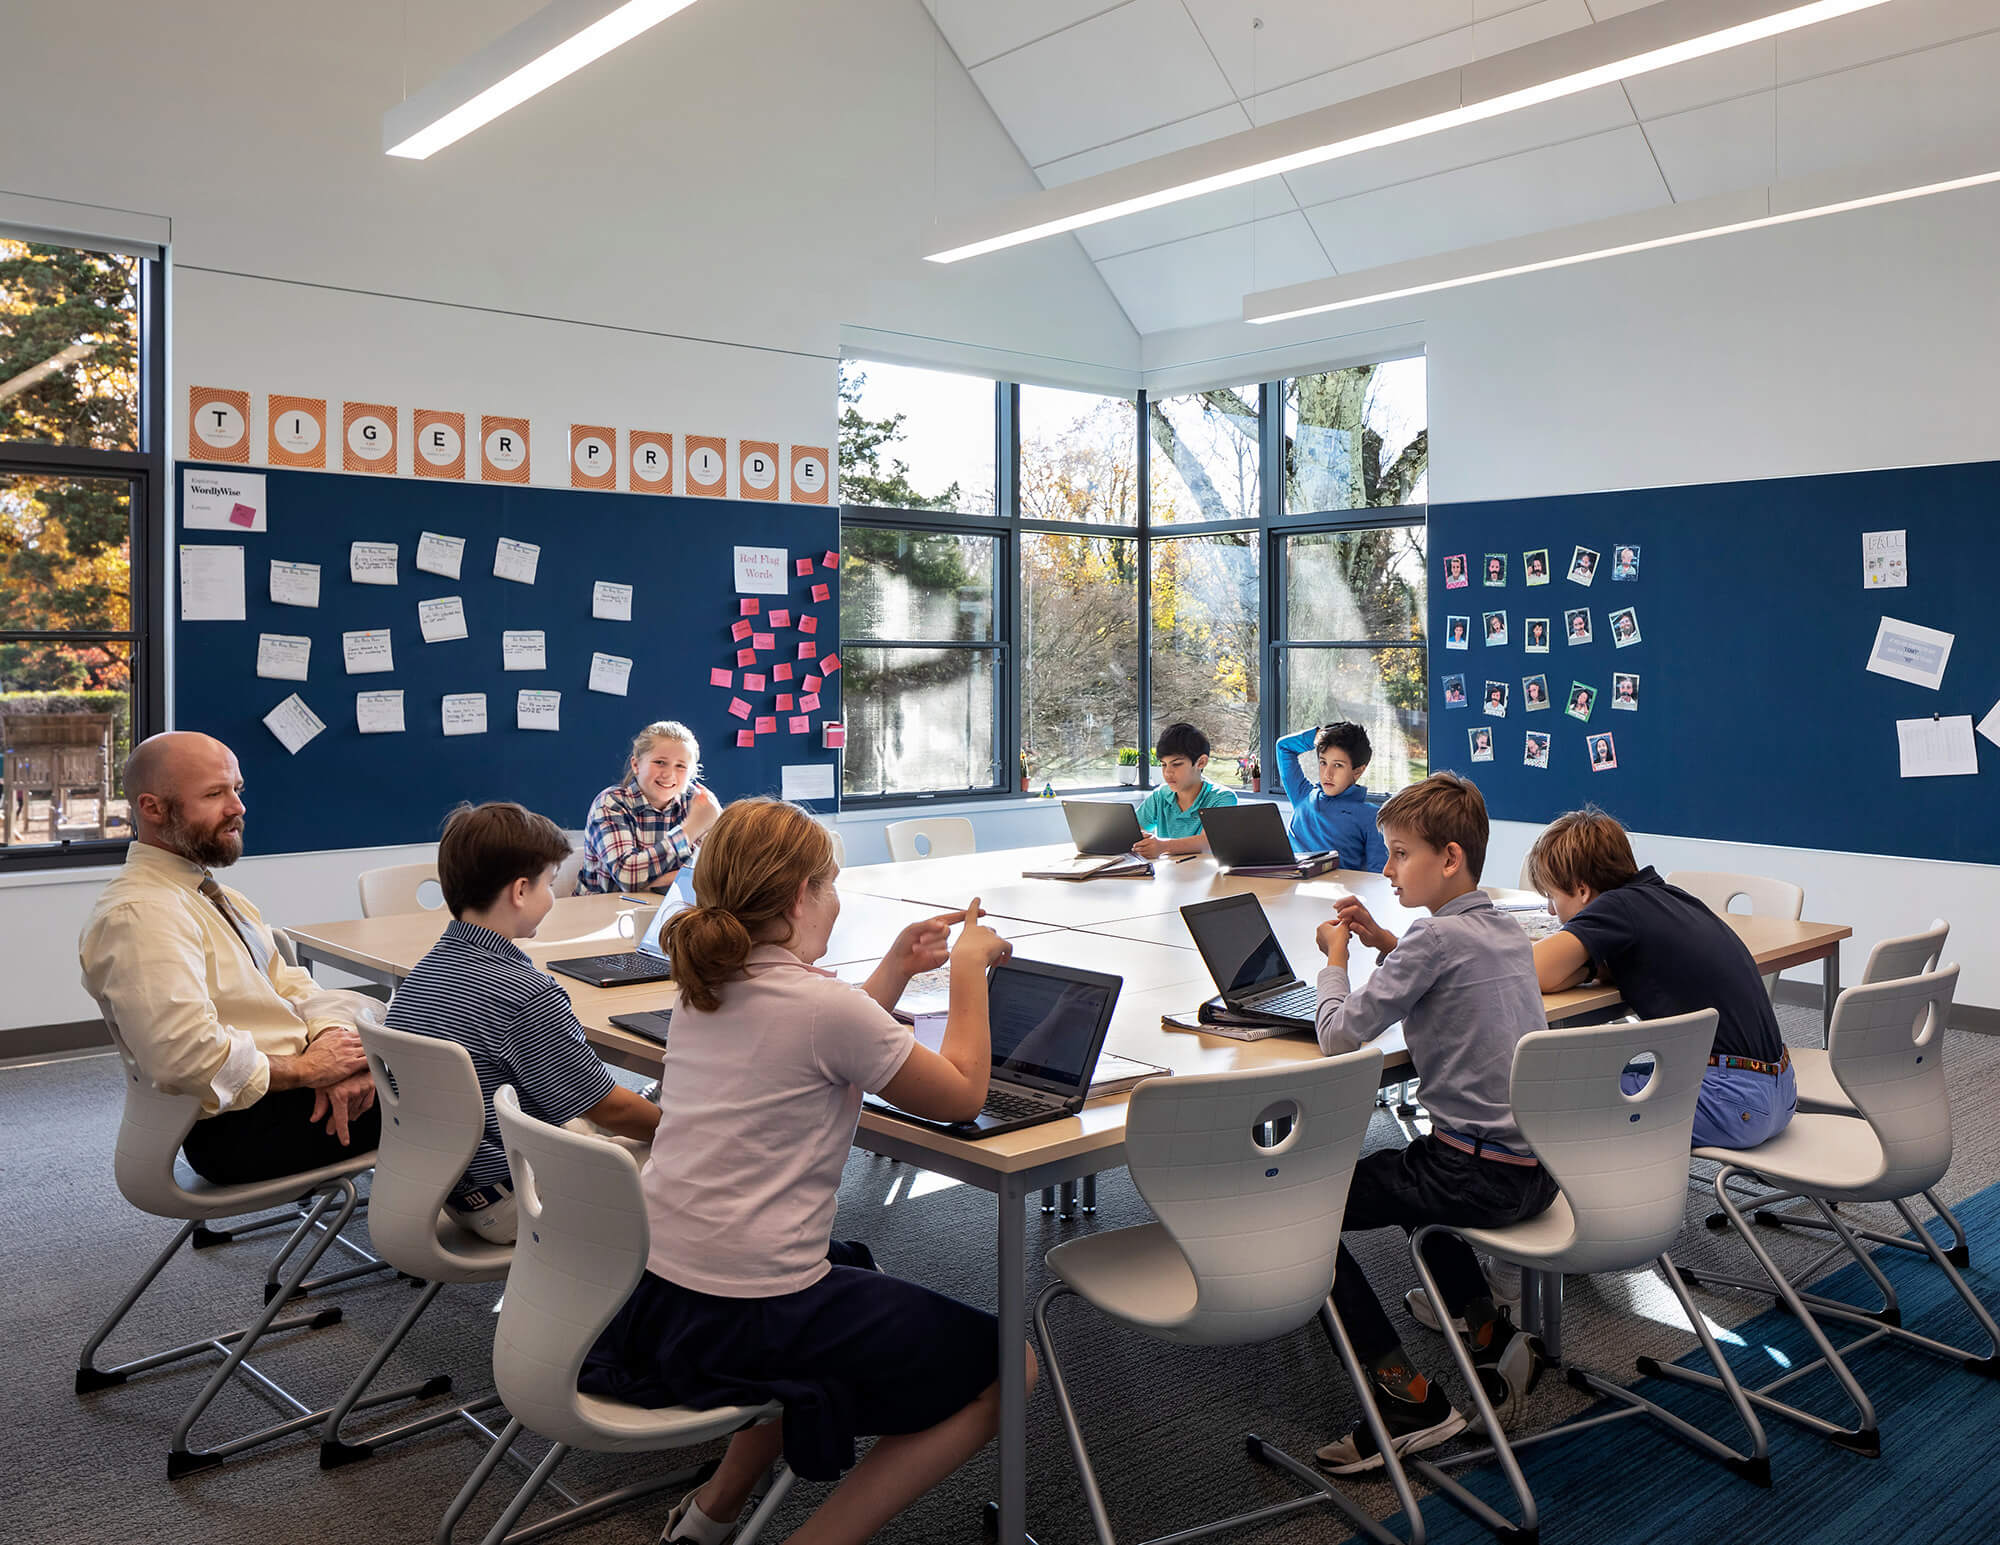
<point>679,1513</point>
<point>1418,1302</point>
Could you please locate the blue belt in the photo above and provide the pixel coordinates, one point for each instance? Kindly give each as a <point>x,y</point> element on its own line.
<point>1483,1148</point>
<point>480,1197</point>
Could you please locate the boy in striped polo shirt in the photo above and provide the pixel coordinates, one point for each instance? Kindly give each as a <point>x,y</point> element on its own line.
<point>496,866</point>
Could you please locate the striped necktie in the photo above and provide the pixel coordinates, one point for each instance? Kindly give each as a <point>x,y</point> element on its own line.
<point>251,941</point>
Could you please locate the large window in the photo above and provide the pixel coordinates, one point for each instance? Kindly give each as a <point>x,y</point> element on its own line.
<point>79,573</point>
<point>1079,657</point>
<point>1205,456</point>
<point>1206,626</point>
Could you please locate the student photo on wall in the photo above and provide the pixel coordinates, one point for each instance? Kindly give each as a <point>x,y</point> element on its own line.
<point>1496,571</point>
<point>1482,744</point>
<point>1576,625</point>
<point>1581,700</point>
<point>1454,572</point>
<point>1537,641</point>
<point>1625,691</point>
<point>1582,566</point>
<point>1455,629</point>
<point>1625,561</point>
<point>1537,753</point>
<point>1534,693</point>
<point>1496,700</point>
<point>1535,565</point>
<point>1496,628</point>
<point>1625,626</point>
<point>1454,692</point>
<point>1603,754</point>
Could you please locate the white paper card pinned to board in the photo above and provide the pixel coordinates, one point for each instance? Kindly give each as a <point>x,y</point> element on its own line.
<point>372,563</point>
<point>761,570</point>
<point>367,652</point>
<point>465,713</point>
<point>1885,560</point>
<point>516,560</point>
<point>1990,725</point>
<point>222,501</point>
<point>524,649</point>
<point>293,723</point>
<point>610,673</point>
<point>379,713</point>
<point>212,584</point>
<point>537,709</point>
<point>1937,748</point>
<point>807,780</point>
<point>610,601</point>
<point>283,656</point>
<point>440,554</point>
<point>1910,653</point>
<point>441,619</point>
<point>294,584</point>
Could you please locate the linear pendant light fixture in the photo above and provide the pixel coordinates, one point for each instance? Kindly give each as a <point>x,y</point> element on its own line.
<point>1652,38</point>
<point>555,42</point>
<point>1672,225</point>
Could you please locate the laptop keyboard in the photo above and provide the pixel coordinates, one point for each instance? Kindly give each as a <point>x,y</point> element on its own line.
<point>637,964</point>
<point>1300,1002</point>
<point>1007,1105</point>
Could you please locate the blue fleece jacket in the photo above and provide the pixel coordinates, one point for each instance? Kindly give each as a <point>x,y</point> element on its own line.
<point>1343,824</point>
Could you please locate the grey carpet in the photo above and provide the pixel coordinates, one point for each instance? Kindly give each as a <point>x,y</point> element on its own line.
<point>1166,1423</point>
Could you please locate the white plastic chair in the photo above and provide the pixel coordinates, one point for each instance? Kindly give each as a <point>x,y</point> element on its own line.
<point>397,889</point>
<point>432,1117</point>
<point>567,871</point>
<point>1886,1044</point>
<point>154,1126</point>
<point>1245,1245</point>
<point>1767,898</point>
<point>1621,1162</point>
<point>934,836</point>
<point>839,843</point>
<point>582,1247</point>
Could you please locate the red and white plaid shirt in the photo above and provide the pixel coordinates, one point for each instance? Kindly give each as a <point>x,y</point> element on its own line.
<point>628,845</point>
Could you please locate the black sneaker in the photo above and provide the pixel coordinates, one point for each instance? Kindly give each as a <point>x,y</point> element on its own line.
<point>1414,1425</point>
<point>1510,1366</point>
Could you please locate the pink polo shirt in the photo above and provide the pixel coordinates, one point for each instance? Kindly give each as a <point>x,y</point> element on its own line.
<point>758,1105</point>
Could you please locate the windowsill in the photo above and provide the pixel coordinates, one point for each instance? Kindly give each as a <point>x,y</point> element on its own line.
<point>900,809</point>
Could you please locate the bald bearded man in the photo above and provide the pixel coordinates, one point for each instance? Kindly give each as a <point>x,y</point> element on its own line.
<point>189,974</point>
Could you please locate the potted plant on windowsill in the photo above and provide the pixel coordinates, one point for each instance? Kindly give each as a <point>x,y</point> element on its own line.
<point>1128,765</point>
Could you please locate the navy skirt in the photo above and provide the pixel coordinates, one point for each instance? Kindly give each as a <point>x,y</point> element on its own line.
<point>857,1354</point>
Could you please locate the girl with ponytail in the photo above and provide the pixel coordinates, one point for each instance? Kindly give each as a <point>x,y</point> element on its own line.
<point>746,1297</point>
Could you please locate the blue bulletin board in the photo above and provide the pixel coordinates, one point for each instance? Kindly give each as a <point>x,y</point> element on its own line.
<point>1757,718</point>
<point>680,556</point>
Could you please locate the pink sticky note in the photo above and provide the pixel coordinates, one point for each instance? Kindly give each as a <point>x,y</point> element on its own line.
<point>753,681</point>
<point>782,671</point>
<point>822,592</point>
<point>800,724</point>
<point>833,736</point>
<point>242,515</point>
<point>718,677</point>
<point>738,709</point>
<point>810,702</point>
<point>780,619</point>
<point>830,561</point>
<point>784,702</point>
<point>739,631</point>
<point>763,641</point>
<point>807,649</point>
<point>830,664</point>
<point>767,725</point>
<point>803,567</point>
<point>746,738</point>
<point>746,657</point>
<point>811,683</point>
<point>748,608</point>
<point>809,624</point>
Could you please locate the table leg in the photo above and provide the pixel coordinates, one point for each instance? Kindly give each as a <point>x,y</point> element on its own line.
<point>1013,1310</point>
<point>1829,992</point>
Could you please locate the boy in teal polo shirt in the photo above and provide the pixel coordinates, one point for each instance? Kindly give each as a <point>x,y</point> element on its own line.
<point>1172,812</point>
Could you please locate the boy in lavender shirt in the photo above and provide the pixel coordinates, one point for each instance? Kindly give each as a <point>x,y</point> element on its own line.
<point>1462,983</point>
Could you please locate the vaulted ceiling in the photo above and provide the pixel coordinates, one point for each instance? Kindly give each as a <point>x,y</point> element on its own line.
<point>1083,86</point>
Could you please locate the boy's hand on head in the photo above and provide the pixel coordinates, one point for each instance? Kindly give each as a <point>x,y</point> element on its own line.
<point>1331,937</point>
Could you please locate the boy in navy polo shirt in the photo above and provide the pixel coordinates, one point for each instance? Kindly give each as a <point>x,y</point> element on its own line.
<point>496,867</point>
<point>1171,814</point>
<point>1332,815</point>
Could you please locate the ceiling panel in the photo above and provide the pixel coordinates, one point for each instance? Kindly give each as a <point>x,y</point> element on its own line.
<point>1942,99</point>
<point>1608,174</point>
<point>1205,278</point>
<point>979,30</point>
<point>1529,24</point>
<point>1131,69</point>
<point>1178,135</point>
<point>1309,37</point>
<point>1190,217</point>
<point>1720,148</point>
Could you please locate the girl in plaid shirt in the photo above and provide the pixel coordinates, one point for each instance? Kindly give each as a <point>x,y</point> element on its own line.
<point>643,830</point>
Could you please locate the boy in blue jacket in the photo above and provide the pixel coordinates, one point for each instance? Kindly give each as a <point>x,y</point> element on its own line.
<point>1332,814</point>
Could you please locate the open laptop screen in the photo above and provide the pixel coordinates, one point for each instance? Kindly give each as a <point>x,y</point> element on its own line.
<point>1045,1028</point>
<point>1237,944</point>
<point>651,944</point>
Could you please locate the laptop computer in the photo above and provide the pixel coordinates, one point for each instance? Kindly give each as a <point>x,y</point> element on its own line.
<point>648,963</point>
<point>1049,1024</point>
<point>1107,826</point>
<point>653,1024</point>
<point>1254,980</point>
<point>1250,839</point>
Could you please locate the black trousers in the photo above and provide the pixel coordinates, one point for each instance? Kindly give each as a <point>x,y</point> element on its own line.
<point>274,1137</point>
<point>1429,1182</point>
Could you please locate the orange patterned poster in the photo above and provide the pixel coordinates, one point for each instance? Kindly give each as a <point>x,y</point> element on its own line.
<point>757,469</point>
<point>651,463</point>
<point>809,474</point>
<point>295,431</point>
<point>503,449</point>
<point>593,456</point>
<point>708,466</point>
<point>440,441</point>
<point>368,437</point>
<point>218,424</point>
